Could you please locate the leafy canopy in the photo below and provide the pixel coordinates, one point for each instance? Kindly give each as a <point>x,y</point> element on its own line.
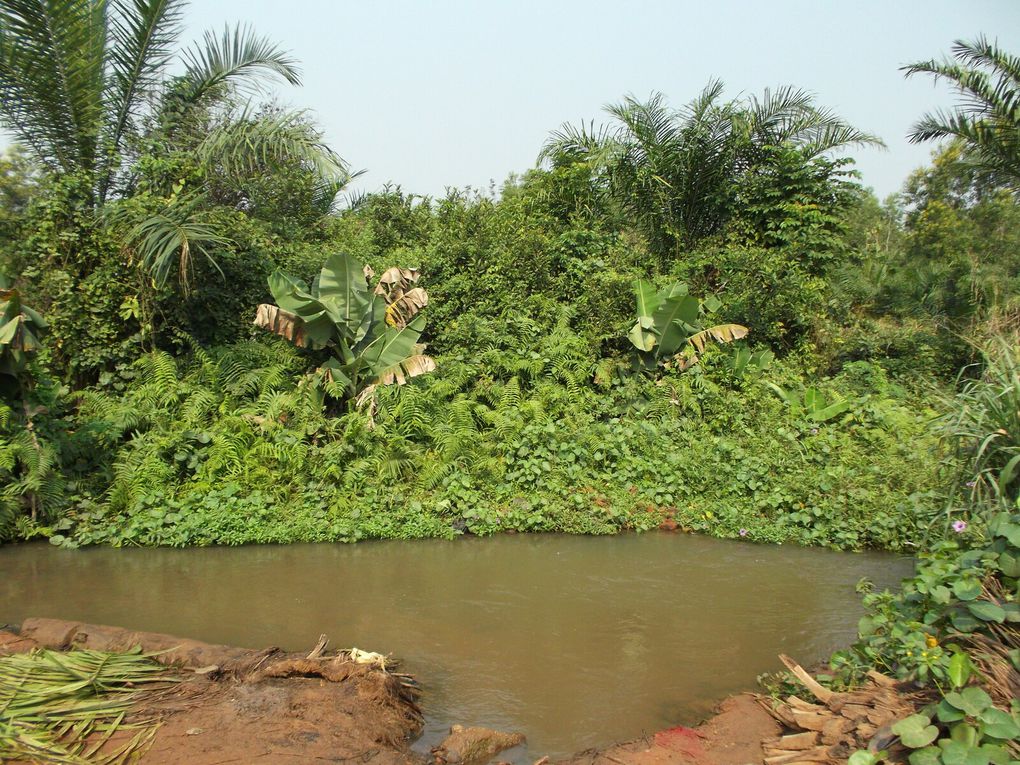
<point>673,171</point>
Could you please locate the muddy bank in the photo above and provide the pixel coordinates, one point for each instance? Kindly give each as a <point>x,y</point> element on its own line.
<point>244,706</point>
<point>733,736</point>
<point>234,705</point>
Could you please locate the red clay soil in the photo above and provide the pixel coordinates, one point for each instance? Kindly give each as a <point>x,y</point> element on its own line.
<point>732,737</point>
<point>247,706</point>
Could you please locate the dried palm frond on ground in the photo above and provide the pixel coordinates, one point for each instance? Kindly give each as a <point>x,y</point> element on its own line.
<point>1001,677</point>
<point>66,707</point>
<point>830,731</point>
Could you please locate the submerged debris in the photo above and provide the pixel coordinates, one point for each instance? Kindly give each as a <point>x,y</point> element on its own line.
<point>473,746</point>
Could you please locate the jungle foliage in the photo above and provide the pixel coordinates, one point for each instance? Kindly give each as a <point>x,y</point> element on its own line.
<point>689,318</point>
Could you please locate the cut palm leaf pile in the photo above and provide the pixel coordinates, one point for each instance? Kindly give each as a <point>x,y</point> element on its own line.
<point>66,707</point>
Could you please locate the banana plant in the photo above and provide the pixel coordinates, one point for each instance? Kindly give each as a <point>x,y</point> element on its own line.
<point>747,365</point>
<point>373,332</point>
<point>673,325</point>
<point>810,403</point>
<point>20,328</point>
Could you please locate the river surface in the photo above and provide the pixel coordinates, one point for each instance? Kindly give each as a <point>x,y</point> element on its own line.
<point>576,641</point>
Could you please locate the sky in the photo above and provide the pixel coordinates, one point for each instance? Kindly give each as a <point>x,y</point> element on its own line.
<point>431,94</point>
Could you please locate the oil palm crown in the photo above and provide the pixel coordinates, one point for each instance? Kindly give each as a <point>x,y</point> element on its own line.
<point>77,77</point>
<point>988,118</point>
<point>673,169</point>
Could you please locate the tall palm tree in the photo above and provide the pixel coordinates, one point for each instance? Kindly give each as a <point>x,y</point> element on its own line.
<point>78,78</point>
<point>673,170</point>
<point>81,81</point>
<point>988,119</point>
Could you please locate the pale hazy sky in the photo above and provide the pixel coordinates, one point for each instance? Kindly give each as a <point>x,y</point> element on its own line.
<point>431,94</point>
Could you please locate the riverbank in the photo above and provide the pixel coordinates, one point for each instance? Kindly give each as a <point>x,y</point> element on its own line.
<point>536,633</point>
<point>226,704</point>
<point>219,704</point>
<point>239,705</point>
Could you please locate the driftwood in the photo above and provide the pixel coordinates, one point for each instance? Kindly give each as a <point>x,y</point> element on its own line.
<point>843,723</point>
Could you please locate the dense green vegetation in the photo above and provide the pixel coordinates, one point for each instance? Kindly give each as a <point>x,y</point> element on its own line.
<point>688,318</point>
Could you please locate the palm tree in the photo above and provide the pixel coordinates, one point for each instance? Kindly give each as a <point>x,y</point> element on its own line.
<point>84,82</point>
<point>673,170</point>
<point>988,119</point>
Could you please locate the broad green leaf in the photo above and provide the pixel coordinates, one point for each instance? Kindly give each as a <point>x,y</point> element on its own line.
<point>373,320</point>
<point>34,317</point>
<point>1009,564</point>
<point>959,671</point>
<point>642,339</point>
<point>676,288</point>
<point>964,734</point>
<point>989,612</point>
<point>393,347</point>
<point>997,755</point>
<point>670,318</point>
<point>647,300</point>
<point>827,413</point>
<point>1012,532</point>
<point>955,753</point>
<point>813,399</point>
<point>971,700</point>
<point>963,621</point>
<point>342,283</point>
<point>999,724</point>
<point>865,758</point>
<point>915,731</point>
<point>9,330</point>
<point>947,713</point>
<point>291,294</point>
<point>967,589</point>
<point>927,756</point>
<point>1008,473</point>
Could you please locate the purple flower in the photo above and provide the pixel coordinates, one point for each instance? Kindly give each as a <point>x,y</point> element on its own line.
<point>814,431</point>
<point>959,526</point>
<point>743,532</point>
<point>971,484</point>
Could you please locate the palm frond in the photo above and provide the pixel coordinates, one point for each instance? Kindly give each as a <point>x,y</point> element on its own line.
<point>165,241</point>
<point>142,34</point>
<point>987,119</point>
<point>789,115</point>
<point>52,78</point>
<point>250,145</point>
<point>237,56</point>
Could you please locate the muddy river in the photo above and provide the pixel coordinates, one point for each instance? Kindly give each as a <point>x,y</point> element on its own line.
<point>576,641</point>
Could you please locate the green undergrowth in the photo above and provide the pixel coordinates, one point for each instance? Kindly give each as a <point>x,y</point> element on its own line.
<point>952,630</point>
<point>224,447</point>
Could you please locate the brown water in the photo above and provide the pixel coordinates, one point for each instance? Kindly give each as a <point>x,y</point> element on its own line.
<point>577,641</point>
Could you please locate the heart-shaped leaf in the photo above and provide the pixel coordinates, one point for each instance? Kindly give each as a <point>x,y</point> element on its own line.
<point>915,731</point>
